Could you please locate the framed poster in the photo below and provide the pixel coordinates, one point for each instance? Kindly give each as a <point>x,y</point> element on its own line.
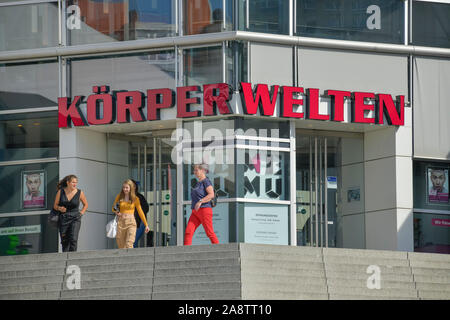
<point>33,189</point>
<point>437,185</point>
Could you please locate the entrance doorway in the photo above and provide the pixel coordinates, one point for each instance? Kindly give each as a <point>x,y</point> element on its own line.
<point>151,165</point>
<point>317,187</point>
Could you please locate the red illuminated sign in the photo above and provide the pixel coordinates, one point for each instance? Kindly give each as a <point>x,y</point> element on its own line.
<point>126,106</point>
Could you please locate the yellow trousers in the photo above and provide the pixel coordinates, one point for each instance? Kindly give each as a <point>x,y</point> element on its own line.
<point>126,231</point>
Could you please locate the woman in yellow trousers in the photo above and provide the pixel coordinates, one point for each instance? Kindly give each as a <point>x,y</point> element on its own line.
<point>124,205</point>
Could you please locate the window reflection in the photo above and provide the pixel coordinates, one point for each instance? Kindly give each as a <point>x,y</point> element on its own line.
<point>431,24</point>
<point>203,65</point>
<point>90,21</point>
<point>269,16</point>
<point>28,85</point>
<point>205,16</point>
<point>362,20</point>
<point>28,26</point>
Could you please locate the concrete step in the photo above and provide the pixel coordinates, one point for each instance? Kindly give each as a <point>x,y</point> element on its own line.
<point>35,265</point>
<point>197,278</point>
<point>100,292</point>
<point>388,293</point>
<point>299,287</point>
<point>95,276</point>
<point>197,287</point>
<point>436,257</point>
<point>197,248</point>
<point>123,267</point>
<point>176,257</point>
<point>283,280</point>
<point>291,264</point>
<point>49,295</point>
<point>366,261</point>
<point>114,283</point>
<point>432,278</point>
<point>32,273</point>
<point>430,271</point>
<point>430,264</point>
<point>112,260</point>
<point>251,250</point>
<point>434,295</point>
<point>362,269</point>
<point>130,296</point>
<point>275,256</point>
<point>248,294</point>
<point>362,275</point>
<point>195,263</point>
<point>362,283</point>
<point>111,253</point>
<point>15,281</point>
<point>443,287</point>
<point>30,288</point>
<point>201,270</point>
<point>365,253</point>
<point>32,258</point>
<point>228,294</point>
<point>289,270</point>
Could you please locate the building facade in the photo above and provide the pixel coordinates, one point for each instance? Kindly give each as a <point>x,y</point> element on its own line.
<point>324,123</point>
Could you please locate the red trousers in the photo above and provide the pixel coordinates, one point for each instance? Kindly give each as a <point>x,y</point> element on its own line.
<point>202,216</point>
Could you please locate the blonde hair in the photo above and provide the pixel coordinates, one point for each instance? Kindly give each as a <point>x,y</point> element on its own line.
<point>132,191</point>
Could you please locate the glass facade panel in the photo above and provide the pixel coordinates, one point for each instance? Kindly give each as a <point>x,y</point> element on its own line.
<point>28,187</point>
<point>431,233</point>
<point>362,20</point>
<point>206,16</point>
<point>262,174</point>
<point>29,85</point>
<point>268,16</point>
<point>125,72</point>
<point>94,21</point>
<point>203,65</point>
<point>431,185</point>
<point>262,129</point>
<point>28,26</point>
<point>29,138</point>
<point>431,24</point>
<point>27,235</point>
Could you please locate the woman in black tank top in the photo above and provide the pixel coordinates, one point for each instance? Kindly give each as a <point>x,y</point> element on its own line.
<point>67,201</point>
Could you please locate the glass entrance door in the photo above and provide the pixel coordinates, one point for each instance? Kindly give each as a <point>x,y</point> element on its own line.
<point>152,167</point>
<point>316,194</point>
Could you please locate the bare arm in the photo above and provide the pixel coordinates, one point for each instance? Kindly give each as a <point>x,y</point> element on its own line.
<point>84,202</point>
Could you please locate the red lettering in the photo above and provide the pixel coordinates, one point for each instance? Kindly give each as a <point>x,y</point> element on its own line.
<point>359,107</point>
<point>394,112</point>
<point>73,114</point>
<point>337,103</point>
<point>262,99</point>
<point>313,106</point>
<point>288,102</point>
<point>130,103</point>
<point>93,109</point>
<point>158,99</point>
<point>219,100</point>
<point>183,102</point>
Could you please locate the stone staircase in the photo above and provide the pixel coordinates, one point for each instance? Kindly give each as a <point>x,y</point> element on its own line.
<point>227,272</point>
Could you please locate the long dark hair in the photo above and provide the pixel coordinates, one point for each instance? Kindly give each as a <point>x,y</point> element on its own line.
<point>63,183</point>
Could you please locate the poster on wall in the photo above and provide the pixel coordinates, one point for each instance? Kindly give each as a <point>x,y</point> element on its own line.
<point>33,189</point>
<point>266,224</point>
<point>437,185</point>
<point>220,225</point>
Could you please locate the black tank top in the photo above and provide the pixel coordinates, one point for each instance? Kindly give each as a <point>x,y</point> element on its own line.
<point>72,205</point>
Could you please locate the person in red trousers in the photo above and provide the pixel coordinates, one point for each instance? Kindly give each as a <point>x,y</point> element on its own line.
<point>202,213</point>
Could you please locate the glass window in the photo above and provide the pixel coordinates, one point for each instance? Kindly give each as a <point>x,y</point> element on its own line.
<point>28,26</point>
<point>263,174</point>
<point>205,16</point>
<point>431,185</point>
<point>32,137</point>
<point>94,21</point>
<point>124,72</point>
<point>224,223</point>
<point>431,233</point>
<point>268,16</point>
<point>431,24</point>
<point>27,235</point>
<point>362,20</point>
<point>28,187</point>
<point>267,128</point>
<point>28,85</point>
<point>203,65</point>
